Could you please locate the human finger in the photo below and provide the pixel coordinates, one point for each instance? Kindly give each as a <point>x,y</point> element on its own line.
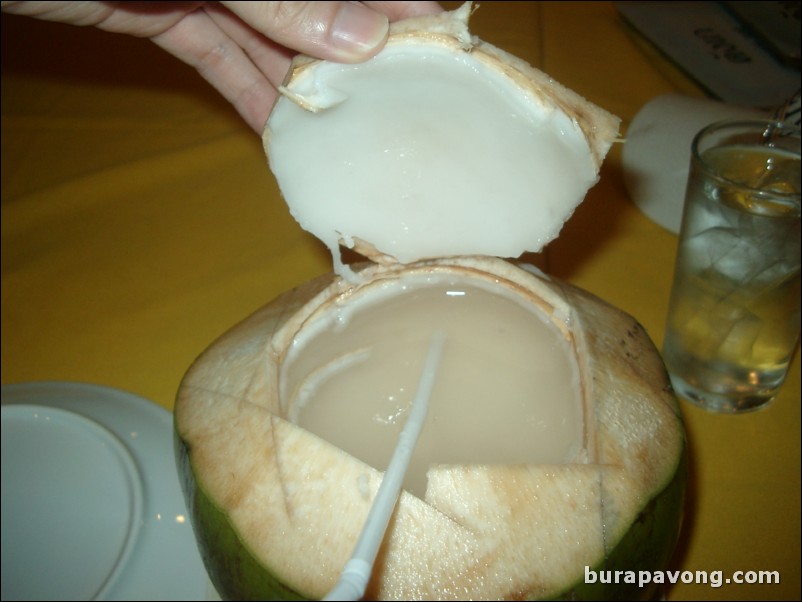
<point>340,31</point>
<point>271,58</point>
<point>201,43</point>
<point>396,11</point>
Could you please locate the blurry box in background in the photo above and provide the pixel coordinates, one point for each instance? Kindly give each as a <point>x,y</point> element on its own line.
<point>776,25</point>
<point>747,56</point>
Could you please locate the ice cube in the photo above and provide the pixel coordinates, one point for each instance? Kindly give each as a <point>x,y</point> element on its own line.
<point>738,343</point>
<point>724,251</point>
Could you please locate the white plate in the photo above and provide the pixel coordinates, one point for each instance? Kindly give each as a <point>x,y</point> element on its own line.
<point>657,151</point>
<point>91,502</point>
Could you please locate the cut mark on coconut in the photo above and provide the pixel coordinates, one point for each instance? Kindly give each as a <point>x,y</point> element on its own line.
<point>355,575</point>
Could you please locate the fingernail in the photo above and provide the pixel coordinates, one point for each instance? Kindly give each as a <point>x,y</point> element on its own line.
<point>358,30</point>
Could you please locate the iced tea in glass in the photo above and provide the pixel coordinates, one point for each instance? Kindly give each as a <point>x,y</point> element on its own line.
<point>734,316</point>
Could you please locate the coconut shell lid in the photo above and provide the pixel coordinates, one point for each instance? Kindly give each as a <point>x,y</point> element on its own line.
<point>441,145</point>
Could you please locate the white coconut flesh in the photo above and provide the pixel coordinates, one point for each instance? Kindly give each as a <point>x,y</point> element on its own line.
<point>436,147</point>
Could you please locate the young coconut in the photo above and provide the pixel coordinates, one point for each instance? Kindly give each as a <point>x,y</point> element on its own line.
<point>424,188</point>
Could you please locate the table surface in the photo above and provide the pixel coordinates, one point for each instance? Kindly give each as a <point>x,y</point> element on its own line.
<point>140,221</point>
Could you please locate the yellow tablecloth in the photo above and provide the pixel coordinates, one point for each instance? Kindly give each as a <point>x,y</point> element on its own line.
<point>140,221</point>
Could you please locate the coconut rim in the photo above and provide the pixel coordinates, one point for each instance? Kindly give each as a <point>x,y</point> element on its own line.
<point>497,274</point>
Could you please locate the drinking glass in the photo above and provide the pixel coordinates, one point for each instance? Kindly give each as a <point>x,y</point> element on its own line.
<point>733,319</point>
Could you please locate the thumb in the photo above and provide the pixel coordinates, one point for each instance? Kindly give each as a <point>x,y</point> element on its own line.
<point>340,31</point>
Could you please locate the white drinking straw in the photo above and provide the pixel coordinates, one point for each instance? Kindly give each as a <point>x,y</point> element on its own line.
<point>356,573</point>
